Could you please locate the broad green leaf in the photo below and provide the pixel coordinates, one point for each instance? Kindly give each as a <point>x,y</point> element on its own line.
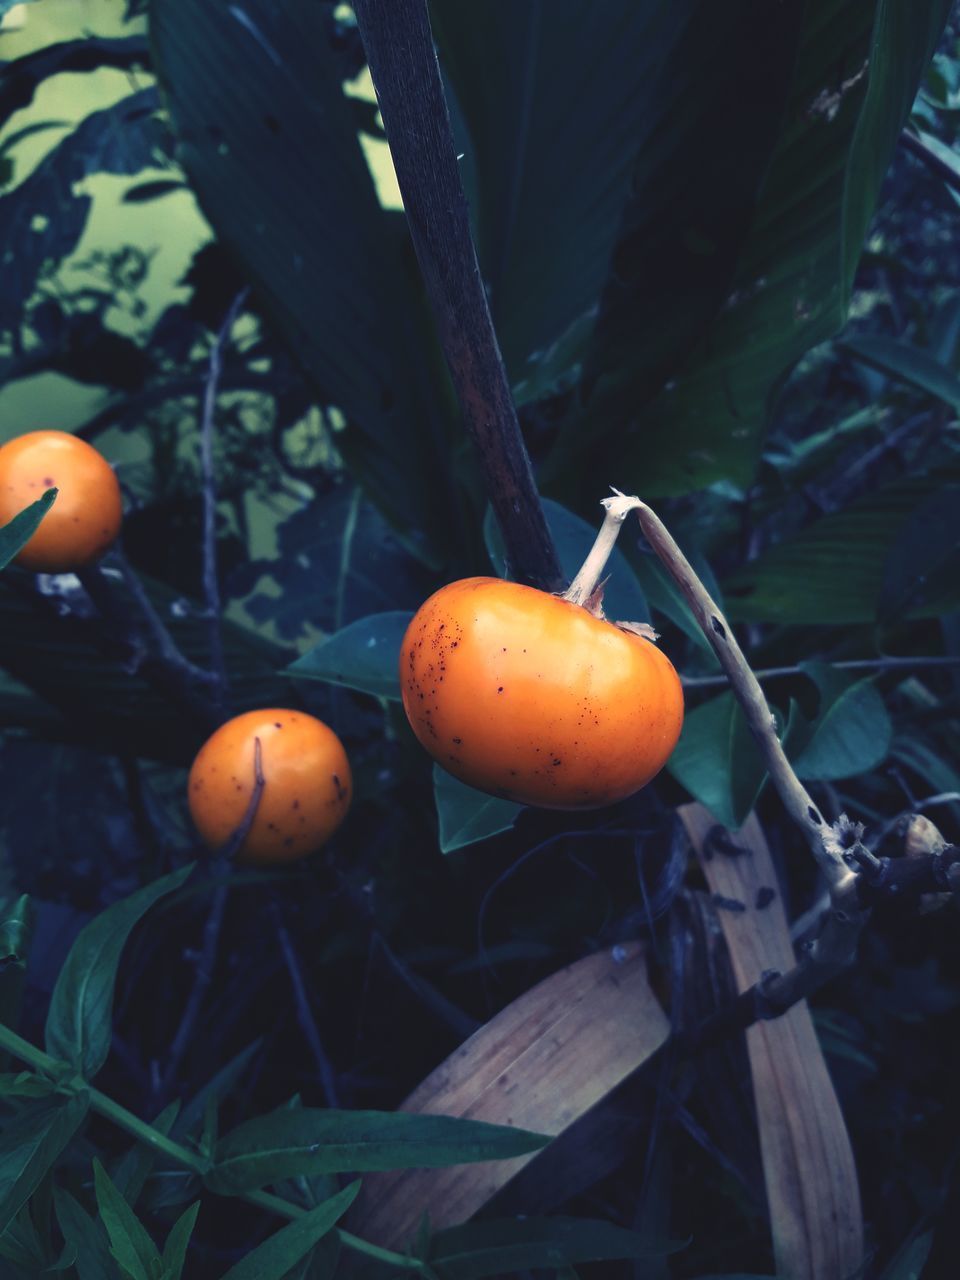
<point>175,1249</point>
<point>31,1143</point>
<point>922,568</point>
<point>832,572</point>
<point>274,1258</point>
<point>852,732</point>
<point>623,598</point>
<point>465,815</point>
<point>364,655</point>
<point>270,144</point>
<point>791,287</point>
<point>15,535</point>
<point>86,1235</point>
<point>285,1144</point>
<point>81,1007</point>
<point>499,1247</point>
<point>718,761</point>
<point>904,361</point>
<point>132,1169</point>
<point>615,181</point>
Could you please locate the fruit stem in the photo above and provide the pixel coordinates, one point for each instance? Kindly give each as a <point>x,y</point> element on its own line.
<point>585,584</point>
<point>820,836</point>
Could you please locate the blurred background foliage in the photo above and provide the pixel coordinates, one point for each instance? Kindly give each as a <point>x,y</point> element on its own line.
<point>670,202</point>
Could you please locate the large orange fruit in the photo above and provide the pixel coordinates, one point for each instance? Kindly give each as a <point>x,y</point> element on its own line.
<point>306,792</point>
<point>86,517</point>
<point>528,696</point>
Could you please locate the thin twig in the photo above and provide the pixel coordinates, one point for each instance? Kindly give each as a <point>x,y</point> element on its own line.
<point>211,585</point>
<point>140,630</point>
<point>403,63</point>
<point>211,932</point>
<point>893,663</point>
<point>308,1024</point>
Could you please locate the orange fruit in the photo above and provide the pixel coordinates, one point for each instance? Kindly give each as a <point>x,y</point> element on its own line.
<point>306,792</point>
<point>530,697</point>
<point>85,518</point>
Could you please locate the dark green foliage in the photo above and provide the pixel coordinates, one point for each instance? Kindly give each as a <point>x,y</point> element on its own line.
<point>706,291</point>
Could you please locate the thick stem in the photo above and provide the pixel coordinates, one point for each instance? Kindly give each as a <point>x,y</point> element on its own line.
<point>399,47</point>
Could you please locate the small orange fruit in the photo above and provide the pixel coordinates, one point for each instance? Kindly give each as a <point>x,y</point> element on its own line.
<point>306,792</point>
<point>533,698</point>
<point>85,519</point>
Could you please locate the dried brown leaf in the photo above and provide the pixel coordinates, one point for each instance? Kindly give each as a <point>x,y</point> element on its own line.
<point>540,1064</point>
<point>808,1163</point>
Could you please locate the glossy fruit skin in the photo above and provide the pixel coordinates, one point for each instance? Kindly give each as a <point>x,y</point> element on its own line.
<point>307,785</point>
<point>86,516</point>
<point>532,698</point>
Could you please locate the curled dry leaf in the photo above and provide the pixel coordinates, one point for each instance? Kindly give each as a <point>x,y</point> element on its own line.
<point>643,629</point>
<point>540,1064</point>
<point>808,1165</point>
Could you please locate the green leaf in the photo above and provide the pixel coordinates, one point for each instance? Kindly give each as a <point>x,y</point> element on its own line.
<point>218,1088</point>
<point>545,175</point>
<point>285,1144</point>
<point>270,143</point>
<point>922,568</point>
<point>832,572</point>
<point>272,1259</point>
<point>16,933</point>
<point>718,761</point>
<point>15,535</point>
<point>364,655</point>
<point>494,1248</point>
<point>904,361</point>
<point>904,38</point>
<point>133,1168</point>
<point>466,815</point>
<point>130,1243</point>
<point>623,598</point>
<point>16,929</point>
<point>852,733</point>
<point>30,1145</point>
<point>24,1084</point>
<point>910,1259</point>
<point>791,286</point>
<point>86,1235</point>
<point>81,1007</point>
<point>175,1249</point>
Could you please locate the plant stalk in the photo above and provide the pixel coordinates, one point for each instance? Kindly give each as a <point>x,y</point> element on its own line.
<point>400,53</point>
<point>105,1106</point>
